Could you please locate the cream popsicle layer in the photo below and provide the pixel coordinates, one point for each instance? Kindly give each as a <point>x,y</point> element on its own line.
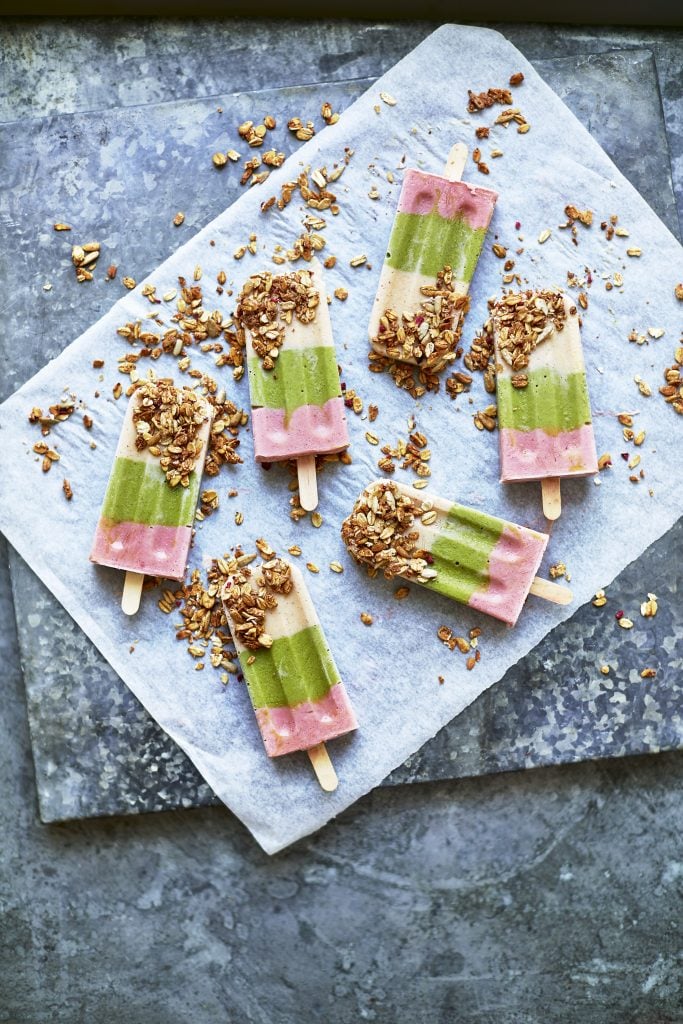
<point>545,427</point>
<point>145,525</point>
<point>294,685</point>
<point>297,407</point>
<point>438,223</point>
<point>476,559</point>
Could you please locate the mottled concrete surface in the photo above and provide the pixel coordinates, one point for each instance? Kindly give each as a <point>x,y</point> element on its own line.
<point>528,898</point>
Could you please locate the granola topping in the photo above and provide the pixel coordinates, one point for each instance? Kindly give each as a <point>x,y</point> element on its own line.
<point>429,337</point>
<point>249,596</point>
<point>523,321</point>
<point>268,303</point>
<point>379,534</point>
<point>167,421</point>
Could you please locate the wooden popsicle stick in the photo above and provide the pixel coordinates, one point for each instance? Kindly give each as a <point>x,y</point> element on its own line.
<point>455,164</point>
<point>552,499</point>
<point>551,591</point>
<point>323,767</point>
<point>308,482</point>
<point>132,591</point>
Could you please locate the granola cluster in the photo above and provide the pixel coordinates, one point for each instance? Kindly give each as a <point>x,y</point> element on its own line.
<point>379,533</point>
<point>250,596</point>
<point>672,390</point>
<point>523,320</point>
<point>268,303</point>
<point>429,336</point>
<point>168,420</point>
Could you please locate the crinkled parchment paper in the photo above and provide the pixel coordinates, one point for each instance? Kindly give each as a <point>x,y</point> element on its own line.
<point>391,668</point>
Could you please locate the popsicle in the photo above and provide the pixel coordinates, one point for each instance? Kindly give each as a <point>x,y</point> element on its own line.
<point>470,556</point>
<point>295,688</point>
<point>544,414</point>
<point>145,523</point>
<point>297,407</point>
<point>435,243</point>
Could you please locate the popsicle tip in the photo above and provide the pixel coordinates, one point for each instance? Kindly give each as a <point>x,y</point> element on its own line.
<point>323,767</point>
<point>132,592</point>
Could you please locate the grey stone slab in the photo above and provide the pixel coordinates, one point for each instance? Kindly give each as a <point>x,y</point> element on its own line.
<point>96,750</point>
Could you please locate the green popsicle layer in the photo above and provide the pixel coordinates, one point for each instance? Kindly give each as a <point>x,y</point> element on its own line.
<point>302,376</point>
<point>423,243</point>
<point>295,669</point>
<point>551,402</point>
<point>461,552</point>
<point>137,492</point>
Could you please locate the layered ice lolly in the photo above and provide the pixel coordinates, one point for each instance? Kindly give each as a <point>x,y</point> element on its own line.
<point>477,559</point>
<point>544,416</point>
<point>296,401</point>
<point>146,519</point>
<point>294,685</point>
<point>435,243</point>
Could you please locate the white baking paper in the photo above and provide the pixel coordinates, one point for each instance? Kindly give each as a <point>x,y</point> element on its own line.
<point>391,668</point>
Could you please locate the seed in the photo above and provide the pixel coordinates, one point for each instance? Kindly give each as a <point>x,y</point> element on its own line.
<point>639,438</point>
<point>219,160</point>
<point>336,567</point>
<point>634,252</point>
<point>388,99</point>
<point>294,550</point>
<point>500,251</point>
<point>317,520</point>
<point>358,261</point>
<point>371,438</point>
<point>312,567</point>
<point>625,623</point>
<point>544,236</point>
<point>239,518</point>
<point>366,618</point>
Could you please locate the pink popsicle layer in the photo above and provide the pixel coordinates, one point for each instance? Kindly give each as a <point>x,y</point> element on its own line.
<point>534,455</point>
<point>285,730</point>
<point>513,563</point>
<point>152,550</point>
<point>421,192</point>
<point>309,430</point>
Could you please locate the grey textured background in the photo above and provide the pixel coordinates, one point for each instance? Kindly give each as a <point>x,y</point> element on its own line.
<point>552,895</point>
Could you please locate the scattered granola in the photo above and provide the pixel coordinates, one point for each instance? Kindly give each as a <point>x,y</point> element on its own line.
<point>648,673</point>
<point>66,487</point>
<point>61,227</point>
<point>482,100</point>
<point>84,257</point>
<point>57,413</point>
<point>678,292</point>
<point>517,78</point>
<point>672,390</point>
<point>366,618</point>
<point>559,570</point>
<point>648,609</point>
